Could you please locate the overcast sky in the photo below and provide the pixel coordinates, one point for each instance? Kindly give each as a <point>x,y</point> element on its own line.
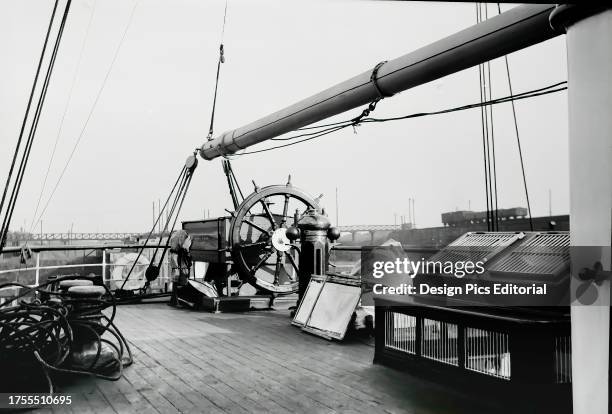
<point>156,105</point>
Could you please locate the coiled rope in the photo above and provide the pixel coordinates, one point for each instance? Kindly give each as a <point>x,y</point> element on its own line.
<point>37,335</point>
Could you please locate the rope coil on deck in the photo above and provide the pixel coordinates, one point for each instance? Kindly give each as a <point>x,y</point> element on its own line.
<point>59,331</point>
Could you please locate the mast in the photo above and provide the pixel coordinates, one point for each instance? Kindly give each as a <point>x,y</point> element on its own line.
<point>589,59</point>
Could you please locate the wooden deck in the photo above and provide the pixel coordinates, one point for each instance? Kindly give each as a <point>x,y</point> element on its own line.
<point>256,362</point>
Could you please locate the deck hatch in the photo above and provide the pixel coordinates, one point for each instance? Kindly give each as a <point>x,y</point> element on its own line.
<point>542,255</point>
<point>476,247</point>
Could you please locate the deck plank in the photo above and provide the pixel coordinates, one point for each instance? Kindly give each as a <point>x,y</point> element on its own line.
<point>297,379</point>
<point>276,391</point>
<point>195,362</point>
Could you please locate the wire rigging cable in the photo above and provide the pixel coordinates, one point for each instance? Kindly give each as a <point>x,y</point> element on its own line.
<point>221,60</point>
<point>518,139</point>
<point>180,179</point>
<point>91,111</point>
<point>488,134</point>
<point>179,191</point>
<point>61,125</point>
<point>33,126</point>
<point>493,157</point>
<point>27,111</point>
<point>554,88</point>
<point>484,142</point>
<point>153,269</point>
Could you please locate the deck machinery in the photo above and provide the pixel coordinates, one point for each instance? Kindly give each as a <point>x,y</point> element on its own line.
<point>252,255</point>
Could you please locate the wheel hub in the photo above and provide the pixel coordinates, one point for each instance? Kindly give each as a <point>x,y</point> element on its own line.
<point>280,240</point>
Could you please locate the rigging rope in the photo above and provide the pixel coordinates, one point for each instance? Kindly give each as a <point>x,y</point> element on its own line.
<point>32,133</point>
<point>183,181</point>
<point>41,334</point>
<point>488,133</point>
<point>178,200</point>
<point>180,206</point>
<point>484,75</point>
<point>493,157</point>
<point>61,125</point>
<point>518,139</point>
<point>27,111</point>
<point>93,107</point>
<point>484,145</point>
<point>557,87</point>
<point>221,60</point>
<point>180,179</point>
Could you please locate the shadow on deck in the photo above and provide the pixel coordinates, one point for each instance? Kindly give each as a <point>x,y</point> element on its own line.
<point>195,362</point>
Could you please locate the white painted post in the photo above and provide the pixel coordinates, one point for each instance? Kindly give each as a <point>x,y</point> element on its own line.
<point>37,281</point>
<point>104,266</point>
<point>590,160</point>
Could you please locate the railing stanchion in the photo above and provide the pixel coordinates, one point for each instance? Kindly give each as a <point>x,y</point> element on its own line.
<point>104,266</point>
<point>37,281</point>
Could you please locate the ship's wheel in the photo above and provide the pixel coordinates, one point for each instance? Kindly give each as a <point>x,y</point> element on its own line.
<point>260,249</point>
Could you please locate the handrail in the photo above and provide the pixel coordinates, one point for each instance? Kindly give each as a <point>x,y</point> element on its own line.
<point>39,248</point>
<point>17,249</point>
<point>103,264</point>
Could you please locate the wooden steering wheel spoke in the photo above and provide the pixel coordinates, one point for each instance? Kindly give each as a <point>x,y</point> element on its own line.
<point>254,244</point>
<point>285,209</point>
<point>292,260</point>
<point>268,213</point>
<point>277,267</point>
<point>256,226</point>
<point>261,262</point>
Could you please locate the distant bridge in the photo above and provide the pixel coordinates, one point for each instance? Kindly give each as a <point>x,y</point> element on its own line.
<point>65,237</point>
<point>70,236</point>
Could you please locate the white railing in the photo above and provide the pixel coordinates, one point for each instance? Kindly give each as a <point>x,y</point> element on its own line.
<point>439,341</point>
<point>400,332</point>
<point>113,264</point>
<point>487,352</point>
